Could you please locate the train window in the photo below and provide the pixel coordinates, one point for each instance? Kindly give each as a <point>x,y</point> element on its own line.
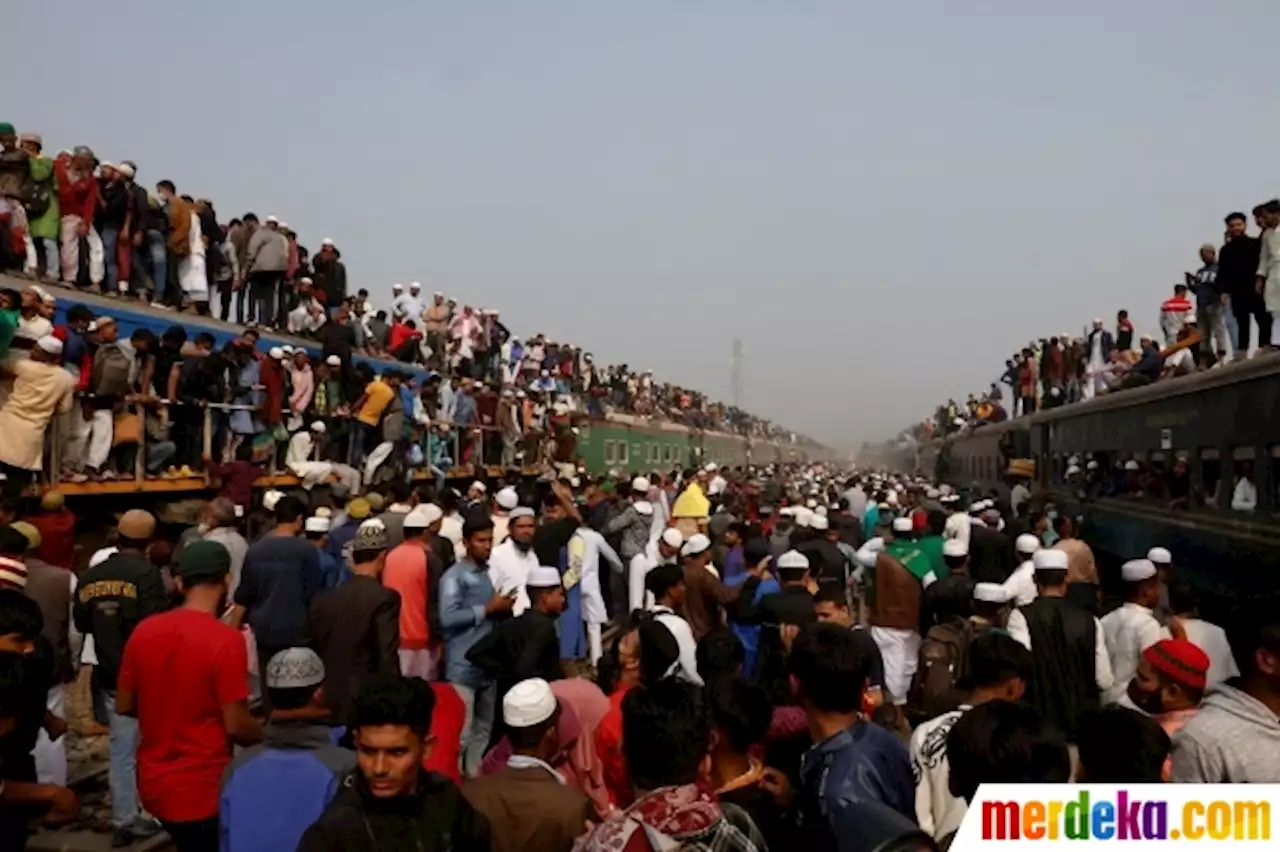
<point>624,452</point>
<point>1210,477</point>
<point>610,454</point>
<point>1155,476</point>
<point>1274,453</point>
<point>1244,481</point>
<point>666,453</point>
<point>1178,482</point>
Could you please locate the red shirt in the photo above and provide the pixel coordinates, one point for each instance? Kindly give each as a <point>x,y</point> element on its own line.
<point>57,537</point>
<point>406,572</point>
<point>446,727</point>
<point>399,335</point>
<point>184,667</point>
<point>78,198</point>
<point>609,748</point>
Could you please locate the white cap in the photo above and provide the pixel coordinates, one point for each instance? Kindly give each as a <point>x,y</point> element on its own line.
<point>271,498</point>
<point>1160,556</point>
<point>276,352</point>
<point>950,498</point>
<point>479,486</point>
<point>415,285</point>
<point>318,426</point>
<point>640,484</point>
<point>712,466</point>
<point>324,512</point>
<point>1132,465</point>
<point>396,287</point>
<point>1092,465</point>
<point>543,577</point>
<point>697,543</point>
<point>102,555</point>
<point>1137,570</point>
<point>990,593</point>
<point>1074,470</point>
<point>792,559</point>
<point>1050,560</point>
<point>819,523</point>
<point>520,512</point>
<point>507,498</point>
<point>1073,460</point>
<point>1027,543</point>
<point>932,494</point>
<point>955,547</point>
<point>288,350</point>
<point>644,507</point>
<point>528,703</point>
<point>803,516</point>
<point>417,517</point>
<point>316,524</point>
<point>672,537</point>
<point>902,525</point>
<point>327,241</point>
<point>50,344</point>
<point>333,361</point>
<point>976,508</point>
<point>272,218</point>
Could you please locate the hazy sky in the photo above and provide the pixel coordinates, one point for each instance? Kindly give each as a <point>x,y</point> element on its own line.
<point>880,200</point>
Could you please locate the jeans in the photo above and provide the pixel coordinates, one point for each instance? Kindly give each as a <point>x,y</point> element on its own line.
<point>122,756</point>
<point>225,295</point>
<point>477,725</point>
<point>159,253</point>
<point>110,236</point>
<point>263,287</point>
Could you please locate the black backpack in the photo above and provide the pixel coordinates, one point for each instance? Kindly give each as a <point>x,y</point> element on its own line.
<point>942,665</point>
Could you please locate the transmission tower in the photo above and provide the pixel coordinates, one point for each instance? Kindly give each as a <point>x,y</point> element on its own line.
<point>735,373</point>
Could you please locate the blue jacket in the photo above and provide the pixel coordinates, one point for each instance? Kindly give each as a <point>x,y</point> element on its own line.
<point>749,635</point>
<point>464,590</point>
<point>859,764</point>
<point>272,792</point>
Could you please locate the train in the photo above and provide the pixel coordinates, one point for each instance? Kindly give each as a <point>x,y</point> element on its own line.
<point>627,443</point>
<point>1195,440</point>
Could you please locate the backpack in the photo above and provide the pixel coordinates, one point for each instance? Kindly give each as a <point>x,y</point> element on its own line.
<point>111,368</point>
<point>36,197</point>
<point>942,664</point>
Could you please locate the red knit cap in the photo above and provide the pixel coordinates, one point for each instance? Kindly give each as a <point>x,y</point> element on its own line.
<point>1181,660</point>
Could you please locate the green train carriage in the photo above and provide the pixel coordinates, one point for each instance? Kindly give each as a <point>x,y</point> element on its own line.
<point>631,444</point>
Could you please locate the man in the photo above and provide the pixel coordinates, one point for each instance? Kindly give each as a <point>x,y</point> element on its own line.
<point>705,597</point>
<point>1068,646</point>
<point>78,203</point>
<point>633,524</point>
<point>900,574</point>
<point>1186,622</point>
<point>511,561</point>
<point>852,760</point>
<point>666,736</point>
<point>1237,268</point>
<point>413,571</point>
<point>357,625</point>
<point>183,677</point>
<point>1082,570</point>
<point>666,584</point>
<point>830,606</point>
<point>1132,628</point>
<point>1173,313</point>
<point>586,549</point>
<point>273,791</point>
<point>1021,584</point>
<point>280,578</point>
<point>469,607</point>
<point>998,670</point>
<point>525,646</point>
<point>1211,299</point>
<point>266,259</point>
<point>391,802</point>
<point>1119,745</point>
<point>393,517</point>
<point>41,389</point>
<point>990,550</point>
<point>667,549</point>
<point>958,527</point>
<point>827,563</point>
<point>111,601</point>
<point>1267,281</point>
<point>330,274</point>
<point>1099,346</point>
<point>218,523</point>
<point>1235,738</point>
<point>504,502</point>
<point>1169,683</point>
<point>528,804</point>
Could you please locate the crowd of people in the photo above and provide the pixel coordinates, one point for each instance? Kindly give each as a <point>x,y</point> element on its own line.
<point>816,660</point>
<point>76,221</point>
<point>1206,323</point>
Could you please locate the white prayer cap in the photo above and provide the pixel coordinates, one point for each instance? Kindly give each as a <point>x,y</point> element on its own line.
<point>327,241</point>
<point>415,285</point>
<point>976,508</point>
<point>697,543</point>
<point>1160,556</point>
<point>50,344</point>
<point>1027,543</point>
<point>804,517</point>
<point>543,577</point>
<point>787,511</point>
<point>417,518</point>
<point>948,499</point>
<point>932,494</point>
<point>874,545</point>
<point>318,426</point>
<point>955,547</point>
<point>528,703</point>
<point>431,511</point>
<point>102,555</point>
<point>507,498</point>
<point>272,218</point>
<point>438,293</point>
<point>819,523</point>
<point>271,498</point>
<point>333,361</point>
<point>1137,570</point>
<point>276,352</point>
<point>1074,470</point>
<point>1092,465</point>
<point>990,593</point>
<point>1132,465</point>
<point>1073,460</point>
<point>1050,560</point>
<point>520,512</point>
<point>672,537</point>
<point>640,484</point>
<point>902,525</point>
<point>712,467</point>
<point>324,512</point>
<point>316,525</point>
<point>644,507</point>
<point>288,350</point>
<point>792,559</point>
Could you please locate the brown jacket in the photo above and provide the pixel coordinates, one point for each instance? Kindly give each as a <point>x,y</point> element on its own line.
<point>50,587</point>
<point>180,213</point>
<point>528,808</point>
<point>897,596</point>
<point>705,598</point>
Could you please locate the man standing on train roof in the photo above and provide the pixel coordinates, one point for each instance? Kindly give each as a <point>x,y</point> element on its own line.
<point>1021,584</point>
<point>901,573</point>
<point>1068,647</point>
<point>1132,628</point>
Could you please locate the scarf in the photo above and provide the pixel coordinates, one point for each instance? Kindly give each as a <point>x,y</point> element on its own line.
<point>672,812</point>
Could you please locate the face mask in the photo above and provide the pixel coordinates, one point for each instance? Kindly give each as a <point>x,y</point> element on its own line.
<point>1147,702</point>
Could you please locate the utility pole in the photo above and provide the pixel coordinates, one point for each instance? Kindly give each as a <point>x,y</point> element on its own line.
<point>735,385</point>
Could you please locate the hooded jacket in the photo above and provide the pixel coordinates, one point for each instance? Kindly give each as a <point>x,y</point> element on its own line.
<point>1234,739</point>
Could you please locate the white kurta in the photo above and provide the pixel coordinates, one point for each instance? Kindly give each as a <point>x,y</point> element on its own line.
<point>1212,639</point>
<point>937,811</point>
<point>593,610</point>
<point>1021,584</point>
<point>1129,630</point>
<point>686,666</point>
<point>509,569</point>
<point>39,392</point>
<point>191,273</point>
<point>957,527</point>
<point>1269,268</point>
<point>900,651</point>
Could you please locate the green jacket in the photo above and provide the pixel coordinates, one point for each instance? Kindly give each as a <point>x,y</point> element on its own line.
<point>931,546</point>
<point>47,227</point>
<point>8,327</point>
